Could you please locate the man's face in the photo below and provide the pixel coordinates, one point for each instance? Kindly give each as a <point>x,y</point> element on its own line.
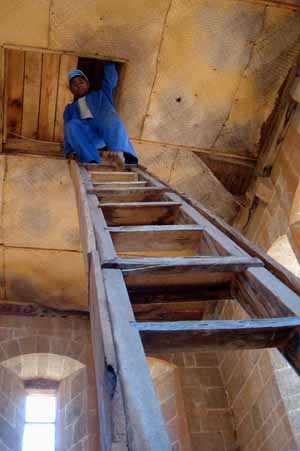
<point>79,87</point>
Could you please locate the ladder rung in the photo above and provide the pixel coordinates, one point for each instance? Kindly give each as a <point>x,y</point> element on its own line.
<point>114,185</point>
<point>135,194</point>
<point>114,176</point>
<point>139,213</point>
<point>213,335</point>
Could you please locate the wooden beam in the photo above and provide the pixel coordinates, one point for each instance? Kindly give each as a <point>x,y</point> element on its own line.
<point>227,155</point>
<point>139,213</point>
<point>146,426</point>
<point>32,89</point>
<point>137,194</point>
<point>173,311</point>
<point>112,423</point>
<point>186,336</point>
<point>158,241</point>
<point>177,293</point>
<point>45,148</point>
<point>114,176</point>
<point>181,265</point>
<point>14,87</point>
<point>98,186</point>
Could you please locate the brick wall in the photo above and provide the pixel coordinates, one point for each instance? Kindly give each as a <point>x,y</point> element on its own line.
<point>77,421</point>
<point>258,403</point>
<point>166,379</point>
<point>12,411</point>
<point>210,421</point>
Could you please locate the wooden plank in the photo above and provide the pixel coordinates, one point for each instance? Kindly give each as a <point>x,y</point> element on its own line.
<point>103,239</point>
<point>98,186</point>
<point>32,89</point>
<point>85,222</point>
<point>14,90</point>
<point>2,96</point>
<point>114,176</point>
<point>138,194</point>
<point>181,265</point>
<point>263,295</point>
<point>104,166</point>
<point>45,148</point>
<point>64,95</point>
<point>139,213</point>
<point>173,311</point>
<point>50,70</point>
<point>186,336</point>
<point>146,426</point>
<point>192,293</point>
<point>157,241</point>
<point>112,424</point>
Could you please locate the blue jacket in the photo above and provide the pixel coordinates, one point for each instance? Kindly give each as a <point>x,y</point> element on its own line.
<point>100,103</point>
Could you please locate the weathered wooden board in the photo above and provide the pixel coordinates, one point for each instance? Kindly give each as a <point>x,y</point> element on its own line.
<point>146,425</point>
<point>117,185</point>
<point>64,95</point>
<point>40,204</point>
<point>50,72</point>
<point>138,194</point>
<point>112,424</point>
<point>115,176</point>
<point>14,90</point>
<point>32,90</point>
<point>47,148</point>
<point>140,213</point>
<point>157,241</point>
<point>176,293</point>
<point>173,311</point>
<point>216,335</point>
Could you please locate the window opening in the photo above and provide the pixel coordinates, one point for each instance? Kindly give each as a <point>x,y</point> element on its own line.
<point>39,427</point>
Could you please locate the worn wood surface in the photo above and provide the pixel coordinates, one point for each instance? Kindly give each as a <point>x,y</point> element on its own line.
<point>157,241</point>
<point>140,213</point>
<point>64,95</point>
<point>115,176</point>
<point>112,423</point>
<point>188,336</point>
<point>173,311</point>
<point>138,194</point>
<point>32,88</point>
<point>14,90</point>
<point>146,424</point>
<point>46,148</point>
<point>50,72</point>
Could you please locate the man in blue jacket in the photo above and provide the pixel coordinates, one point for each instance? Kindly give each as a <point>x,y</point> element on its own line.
<point>91,122</point>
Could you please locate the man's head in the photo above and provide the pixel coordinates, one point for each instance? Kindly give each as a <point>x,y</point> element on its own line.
<point>79,83</point>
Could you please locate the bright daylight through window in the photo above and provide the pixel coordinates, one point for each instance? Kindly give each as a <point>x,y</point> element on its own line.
<point>39,429</point>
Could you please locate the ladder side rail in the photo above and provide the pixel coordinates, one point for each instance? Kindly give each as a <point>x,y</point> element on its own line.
<point>146,425</point>
<point>111,417</point>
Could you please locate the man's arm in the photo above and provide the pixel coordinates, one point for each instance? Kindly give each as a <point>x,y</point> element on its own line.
<point>110,80</point>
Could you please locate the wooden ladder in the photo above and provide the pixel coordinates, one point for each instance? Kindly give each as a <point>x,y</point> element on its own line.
<point>157,265</point>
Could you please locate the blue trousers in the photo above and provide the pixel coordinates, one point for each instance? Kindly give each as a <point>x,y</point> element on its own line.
<point>85,140</point>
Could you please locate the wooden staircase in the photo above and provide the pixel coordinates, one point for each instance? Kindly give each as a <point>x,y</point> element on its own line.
<point>158,267</point>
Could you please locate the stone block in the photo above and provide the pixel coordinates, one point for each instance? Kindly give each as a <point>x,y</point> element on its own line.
<point>206,359</point>
<point>216,398</point>
<point>216,420</point>
<point>209,377</point>
<point>169,409</point>
<point>212,441</point>
<point>80,428</point>
<point>74,409</point>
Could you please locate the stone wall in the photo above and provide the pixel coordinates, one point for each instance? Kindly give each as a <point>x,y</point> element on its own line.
<point>165,377</point>
<point>209,417</point>
<point>262,394</point>
<point>76,413</point>
<point>48,348</point>
<point>12,411</point>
